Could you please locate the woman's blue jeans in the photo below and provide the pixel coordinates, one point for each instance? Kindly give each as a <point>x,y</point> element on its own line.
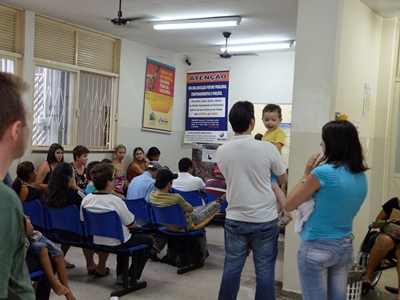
<point>323,268</point>
<point>262,239</point>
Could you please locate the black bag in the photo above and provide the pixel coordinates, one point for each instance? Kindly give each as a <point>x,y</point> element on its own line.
<point>177,252</point>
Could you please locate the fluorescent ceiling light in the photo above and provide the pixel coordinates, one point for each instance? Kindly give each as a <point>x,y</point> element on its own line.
<point>255,47</point>
<point>197,23</point>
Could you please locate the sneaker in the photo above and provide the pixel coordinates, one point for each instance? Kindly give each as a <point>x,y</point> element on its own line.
<point>68,265</point>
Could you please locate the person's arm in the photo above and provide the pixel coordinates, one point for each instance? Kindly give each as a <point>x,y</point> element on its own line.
<point>43,169</point>
<point>278,145</point>
<point>306,187</point>
<point>137,169</point>
<point>382,216</point>
<point>202,185</point>
<point>282,178</point>
<point>73,183</point>
<point>133,225</point>
<point>28,226</point>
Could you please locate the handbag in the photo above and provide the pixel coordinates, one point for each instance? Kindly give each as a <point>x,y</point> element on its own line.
<point>390,228</point>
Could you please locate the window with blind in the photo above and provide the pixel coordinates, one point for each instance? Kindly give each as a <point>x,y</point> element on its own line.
<point>10,38</point>
<point>75,76</point>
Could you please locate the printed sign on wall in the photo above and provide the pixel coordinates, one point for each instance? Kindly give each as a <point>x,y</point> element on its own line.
<point>159,96</point>
<point>207,107</point>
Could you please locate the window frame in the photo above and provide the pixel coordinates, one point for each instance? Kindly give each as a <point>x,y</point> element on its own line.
<point>114,102</point>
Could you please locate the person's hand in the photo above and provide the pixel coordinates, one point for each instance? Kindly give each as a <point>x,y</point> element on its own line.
<point>313,162</point>
<point>187,214</point>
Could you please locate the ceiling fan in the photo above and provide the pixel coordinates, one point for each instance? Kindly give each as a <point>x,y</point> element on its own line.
<point>120,20</point>
<point>226,54</point>
<point>226,35</point>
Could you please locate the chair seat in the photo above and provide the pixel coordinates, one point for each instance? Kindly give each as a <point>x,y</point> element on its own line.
<point>36,274</point>
<point>182,234</point>
<point>118,249</point>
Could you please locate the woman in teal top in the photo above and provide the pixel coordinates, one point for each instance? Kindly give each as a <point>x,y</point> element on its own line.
<point>338,183</point>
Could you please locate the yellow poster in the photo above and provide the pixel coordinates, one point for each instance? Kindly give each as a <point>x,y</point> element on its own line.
<point>159,97</point>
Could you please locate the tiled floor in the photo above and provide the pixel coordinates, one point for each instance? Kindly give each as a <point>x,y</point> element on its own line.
<point>164,283</point>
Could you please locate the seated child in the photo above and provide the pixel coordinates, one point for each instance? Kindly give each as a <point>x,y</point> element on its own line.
<point>41,247</point>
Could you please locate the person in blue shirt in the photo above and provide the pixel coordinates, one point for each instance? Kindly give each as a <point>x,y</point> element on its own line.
<point>142,185</point>
<point>338,183</point>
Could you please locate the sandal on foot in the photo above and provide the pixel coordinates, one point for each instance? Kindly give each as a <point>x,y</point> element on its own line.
<point>68,265</point>
<point>366,286</point>
<point>97,274</point>
<point>91,272</point>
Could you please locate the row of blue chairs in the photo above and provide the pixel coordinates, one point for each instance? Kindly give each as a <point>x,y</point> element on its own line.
<point>63,225</point>
<point>56,222</point>
<point>155,218</point>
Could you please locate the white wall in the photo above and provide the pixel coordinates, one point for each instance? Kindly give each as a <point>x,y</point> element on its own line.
<point>260,79</point>
<point>360,49</point>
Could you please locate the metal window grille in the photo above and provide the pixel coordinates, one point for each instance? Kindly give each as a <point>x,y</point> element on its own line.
<point>53,107</point>
<point>95,110</point>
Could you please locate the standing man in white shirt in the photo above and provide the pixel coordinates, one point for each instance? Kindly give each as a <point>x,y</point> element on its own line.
<point>251,215</point>
<point>186,182</point>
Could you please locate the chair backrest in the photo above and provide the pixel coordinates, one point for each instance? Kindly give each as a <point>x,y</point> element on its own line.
<point>64,218</point>
<point>34,209</point>
<point>105,224</point>
<point>193,197</point>
<point>140,208</point>
<point>169,215</point>
<point>212,197</point>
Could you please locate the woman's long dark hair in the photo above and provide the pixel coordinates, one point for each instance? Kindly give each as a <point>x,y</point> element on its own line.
<point>55,194</point>
<point>51,157</point>
<point>24,169</point>
<point>343,147</point>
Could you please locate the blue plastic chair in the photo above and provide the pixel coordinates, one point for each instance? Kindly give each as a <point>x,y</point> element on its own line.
<point>36,274</point>
<point>108,224</point>
<point>174,215</point>
<point>140,208</point>
<point>35,210</point>
<point>193,197</point>
<point>223,205</point>
<point>65,226</point>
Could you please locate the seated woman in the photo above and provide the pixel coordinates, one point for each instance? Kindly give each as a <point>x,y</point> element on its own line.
<point>120,181</point>
<point>153,154</point>
<point>101,201</point>
<point>26,174</point>
<point>55,155</point>
<point>383,245</point>
<point>139,164</point>
<point>80,154</point>
<point>59,194</point>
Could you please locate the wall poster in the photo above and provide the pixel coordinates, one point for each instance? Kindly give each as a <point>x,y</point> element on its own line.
<point>207,107</point>
<point>159,97</point>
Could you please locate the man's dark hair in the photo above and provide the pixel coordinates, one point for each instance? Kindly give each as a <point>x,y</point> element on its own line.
<point>258,136</point>
<point>240,116</point>
<point>272,108</point>
<point>12,109</point>
<point>101,174</point>
<point>78,151</point>
<point>184,164</point>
